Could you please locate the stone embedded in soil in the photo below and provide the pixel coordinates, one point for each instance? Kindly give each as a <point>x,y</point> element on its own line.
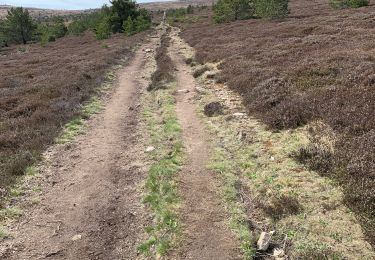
<point>264,240</point>
<point>150,149</point>
<point>210,74</point>
<point>183,91</point>
<point>77,237</point>
<point>213,109</point>
<point>200,90</point>
<point>239,114</point>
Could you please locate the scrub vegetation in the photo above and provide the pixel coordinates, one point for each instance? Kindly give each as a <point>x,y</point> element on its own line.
<point>313,67</point>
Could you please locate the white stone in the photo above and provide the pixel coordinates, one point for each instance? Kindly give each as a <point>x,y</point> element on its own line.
<point>77,237</point>
<point>183,91</point>
<point>200,90</point>
<point>239,114</point>
<point>264,240</point>
<point>150,149</point>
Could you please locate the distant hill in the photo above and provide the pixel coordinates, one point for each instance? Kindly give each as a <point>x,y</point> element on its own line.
<point>38,13</point>
<point>174,4</point>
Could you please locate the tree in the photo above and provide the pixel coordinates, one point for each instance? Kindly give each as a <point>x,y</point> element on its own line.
<point>129,27</point>
<point>103,29</point>
<point>223,11</point>
<point>142,24</point>
<point>231,10</point>
<point>120,11</point>
<point>3,36</point>
<point>190,9</point>
<point>20,26</point>
<point>271,8</point>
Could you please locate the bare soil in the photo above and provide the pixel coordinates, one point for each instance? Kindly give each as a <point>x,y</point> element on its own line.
<point>206,233</point>
<point>91,206</point>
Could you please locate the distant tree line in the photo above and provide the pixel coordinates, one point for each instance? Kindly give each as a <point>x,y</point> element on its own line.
<point>181,14</point>
<point>232,10</point>
<point>123,16</point>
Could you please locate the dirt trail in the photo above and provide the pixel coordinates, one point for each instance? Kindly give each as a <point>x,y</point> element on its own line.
<point>91,207</point>
<point>206,233</point>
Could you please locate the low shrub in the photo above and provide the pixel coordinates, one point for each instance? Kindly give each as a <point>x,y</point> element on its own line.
<point>271,8</point>
<point>348,3</point>
<point>162,75</point>
<point>103,29</point>
<point>232,10</point>
<point>282,206</point>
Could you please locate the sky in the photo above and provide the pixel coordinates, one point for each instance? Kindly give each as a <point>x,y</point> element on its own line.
<point>61,4</point>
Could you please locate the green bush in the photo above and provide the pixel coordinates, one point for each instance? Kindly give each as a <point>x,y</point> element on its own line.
<point>142,24</point>
<point>113,19</point>
<point>103,29</point>
<point>129,26</point>
<point>3,36</point>
<point>231,10</point>
<point>348,3</point>
<point>51,30</point>
<point>85,22</point>
<point>270,9</point>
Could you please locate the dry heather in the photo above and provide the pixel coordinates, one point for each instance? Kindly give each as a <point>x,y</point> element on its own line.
<point>41,89</point>
<point>165,68</point>
<point>317,65</point>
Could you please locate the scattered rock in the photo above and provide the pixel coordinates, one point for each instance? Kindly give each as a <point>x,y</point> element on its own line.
<point>264,240</point>
<point>183,91</point>
<point>150,149</point>
<point>213,108</point>
<point>77,237</point>
<point>148,50</point>
<point>210,74</point>
<point>239,114</point>
<point>242,136</point>
<point>57,252</point>
<point>279,253</point>
<point>200,90</point>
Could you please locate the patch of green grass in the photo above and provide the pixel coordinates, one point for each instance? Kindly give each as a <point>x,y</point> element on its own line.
<point>10,213</point>
<point>71,130</point>
<point>230,181</point>
<point>161,192</point>
<point>77,125</point>
<point>3,233</point>
<point>15,192</point>
<point>31,171</point>
<point>91,108</point>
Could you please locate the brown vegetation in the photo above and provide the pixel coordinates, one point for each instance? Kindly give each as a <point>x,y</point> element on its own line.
<point>41,89</point>
<point>316,65</point>
<point>165,67</point>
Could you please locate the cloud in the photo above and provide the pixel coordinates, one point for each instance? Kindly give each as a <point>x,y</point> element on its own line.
<point>57,4</point>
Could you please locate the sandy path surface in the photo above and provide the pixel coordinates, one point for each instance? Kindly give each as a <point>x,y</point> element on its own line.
<point>91,207</point>
<point>206,233</point>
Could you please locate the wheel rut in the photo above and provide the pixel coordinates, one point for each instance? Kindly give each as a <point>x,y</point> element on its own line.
<point>206,234</point>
